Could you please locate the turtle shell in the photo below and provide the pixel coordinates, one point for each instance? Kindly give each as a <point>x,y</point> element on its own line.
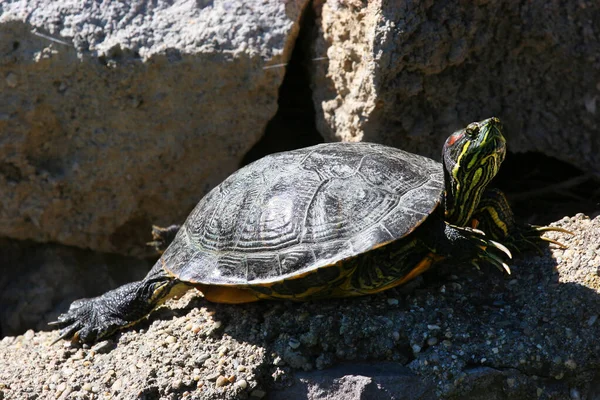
<point>293,212</point>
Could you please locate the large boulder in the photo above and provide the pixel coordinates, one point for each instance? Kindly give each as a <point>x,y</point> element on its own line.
<point>407,73</point>
<point>114,115</point>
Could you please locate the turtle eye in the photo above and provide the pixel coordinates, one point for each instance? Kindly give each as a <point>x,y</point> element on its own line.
<point>472,131</point>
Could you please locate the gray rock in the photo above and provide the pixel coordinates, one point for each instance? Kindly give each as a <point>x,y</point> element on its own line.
<point>407,73</point>
<point>383,380</point>
<point>38,281</point>
<point>116,115</point>
<point>519,337</point>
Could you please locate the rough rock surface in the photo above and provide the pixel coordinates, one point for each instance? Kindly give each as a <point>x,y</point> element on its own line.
<point>118,114</point>
<point>457,333</point>
<point>407,72</point>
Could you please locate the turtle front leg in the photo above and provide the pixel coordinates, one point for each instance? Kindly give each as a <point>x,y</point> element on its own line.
<point>89,320</point>
<point>495,217</point>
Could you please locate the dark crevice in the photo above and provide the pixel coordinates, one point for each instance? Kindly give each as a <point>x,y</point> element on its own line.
<point>293,126</point>
<point>542,189</point>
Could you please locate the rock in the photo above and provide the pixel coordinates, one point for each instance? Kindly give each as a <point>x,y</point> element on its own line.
<point>382,380</point>
<point>122,114</point>
<point>407,73</point>
<point>519,337</point>
<point>38,281</point>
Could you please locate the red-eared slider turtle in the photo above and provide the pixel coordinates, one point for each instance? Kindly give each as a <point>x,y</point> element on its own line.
<point>332,220</point>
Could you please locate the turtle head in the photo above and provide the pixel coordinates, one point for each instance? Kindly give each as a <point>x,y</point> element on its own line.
<point>471,158</point>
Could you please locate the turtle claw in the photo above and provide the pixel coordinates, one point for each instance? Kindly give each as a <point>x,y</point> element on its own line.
<point>484,249</point>
<point>498,263</point>
<point>81,323</point>
<point>501,247</point>
<point>556,242</point>
<point>529,237</point>
<point>473,263</point>
<point>551,229</point>
<point>66,333</point>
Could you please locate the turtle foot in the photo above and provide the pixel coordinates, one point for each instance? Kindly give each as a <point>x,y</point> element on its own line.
<point>85,322</point>
<point>472,245</point>
<point>162,237</point>
<point>89,320</point>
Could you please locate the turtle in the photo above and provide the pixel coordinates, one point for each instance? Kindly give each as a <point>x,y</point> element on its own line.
<point>332,220</point>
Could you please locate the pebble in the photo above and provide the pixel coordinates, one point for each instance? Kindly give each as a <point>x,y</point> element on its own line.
<point>103,347</point>
<point>278,361</point>
<point>170,339</point>
<point>29,334</point>
<point>392,302</point>
<point>571,364</point>
<point>221,381</point>
<point>116,386</point>
<point>223,350</point>
<point>241,384</point>
<point>213,376</point>
<point>432,341</point>
<point>201,359</point>
<point>11,80</point>
<point>294,343</point>
<point>61,387</point>
<point>87,387</point>
<point>177,384</point>
<point>66,393</point>
<point>592,320</point>
<point>416,348</point>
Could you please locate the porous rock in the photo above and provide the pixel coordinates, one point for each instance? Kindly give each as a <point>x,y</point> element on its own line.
<point>115,115</point>
<point>407,73</point>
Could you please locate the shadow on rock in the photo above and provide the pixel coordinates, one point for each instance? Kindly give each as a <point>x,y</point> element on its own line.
<point>531,334</point>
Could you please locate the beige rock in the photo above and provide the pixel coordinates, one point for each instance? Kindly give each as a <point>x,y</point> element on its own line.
<point>410,73</point>
<point>125,115</point>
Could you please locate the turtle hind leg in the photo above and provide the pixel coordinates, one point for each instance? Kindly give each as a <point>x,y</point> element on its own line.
<point>90,320</point>
<point>495,217</point>
<point>162,237</point>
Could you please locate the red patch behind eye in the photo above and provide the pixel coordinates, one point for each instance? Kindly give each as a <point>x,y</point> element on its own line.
<point>452,139</point>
